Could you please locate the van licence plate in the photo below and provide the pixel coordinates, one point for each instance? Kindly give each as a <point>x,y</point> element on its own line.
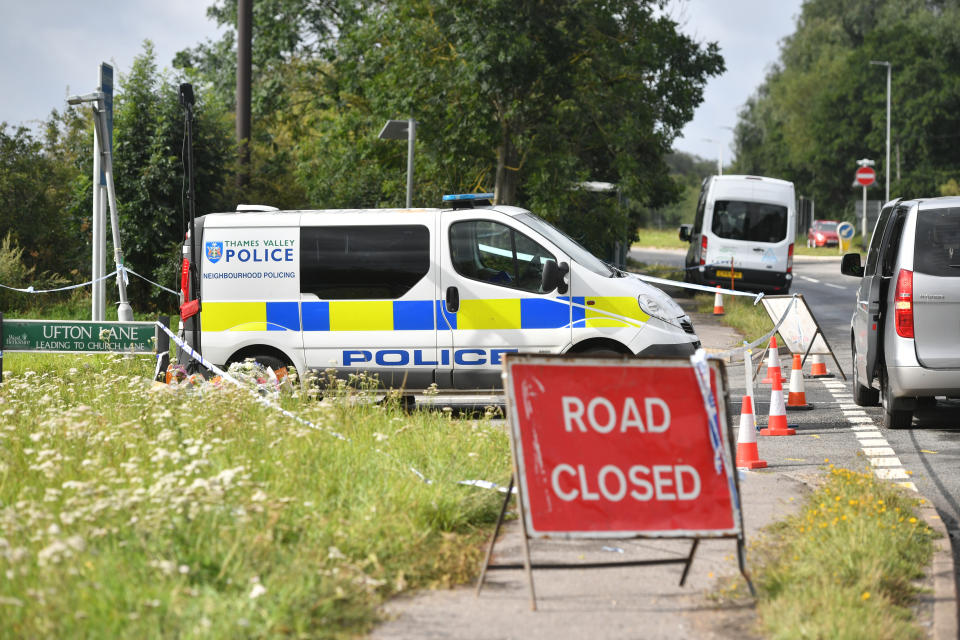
<point>730,274</point>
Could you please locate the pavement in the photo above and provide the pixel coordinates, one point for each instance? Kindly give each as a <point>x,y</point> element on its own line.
<point>646,601</point>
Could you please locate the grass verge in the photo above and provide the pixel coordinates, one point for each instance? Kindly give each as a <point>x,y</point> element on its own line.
<point>740,313</point>
<point>845,566</point>
<point>660,239</point>
<point>134,510</point>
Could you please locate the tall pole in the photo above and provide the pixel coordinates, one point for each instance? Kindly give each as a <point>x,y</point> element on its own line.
<point>244,66</point>
<point>863,220</point>
<point>411,143</point>
<point>124,312</point>
<point>886,167</point>
<point>98,293</point>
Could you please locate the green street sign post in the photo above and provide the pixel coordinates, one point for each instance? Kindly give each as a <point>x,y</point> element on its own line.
<point>78,336</point>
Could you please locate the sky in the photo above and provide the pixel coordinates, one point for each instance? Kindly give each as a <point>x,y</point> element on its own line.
<point>53,48</point>
<point>748,33</point>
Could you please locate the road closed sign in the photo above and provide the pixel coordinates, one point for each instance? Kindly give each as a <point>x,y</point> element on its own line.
<point>620,448</point>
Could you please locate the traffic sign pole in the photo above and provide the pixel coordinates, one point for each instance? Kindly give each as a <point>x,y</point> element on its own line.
<point>863,221</point>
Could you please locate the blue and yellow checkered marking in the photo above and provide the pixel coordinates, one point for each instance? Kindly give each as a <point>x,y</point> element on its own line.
<point>422,315</point>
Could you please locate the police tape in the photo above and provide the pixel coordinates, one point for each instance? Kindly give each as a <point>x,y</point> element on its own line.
<point>483,484</point>
<point>30,289</point>
<point>120,269</point>
<point>762,339</point>
<point>699,287</point>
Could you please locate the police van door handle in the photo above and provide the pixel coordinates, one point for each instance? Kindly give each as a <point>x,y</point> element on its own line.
<point>453,299</point>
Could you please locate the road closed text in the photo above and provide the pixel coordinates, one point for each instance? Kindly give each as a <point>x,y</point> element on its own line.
<point>649,417</point>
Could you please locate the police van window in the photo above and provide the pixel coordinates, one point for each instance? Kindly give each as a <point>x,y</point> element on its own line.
<point>366,262</point>
<point>495,253</point>
<point>752,221</point>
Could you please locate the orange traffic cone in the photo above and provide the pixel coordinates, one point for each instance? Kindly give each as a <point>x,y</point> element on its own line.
<point>773,363</point>
<point>747,455</point>
<point>717,303</point>
<point>797,398</point>
<point>777,422</point>
<point>818,368</point>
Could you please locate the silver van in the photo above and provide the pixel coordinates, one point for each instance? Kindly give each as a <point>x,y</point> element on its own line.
<point>905,327</point>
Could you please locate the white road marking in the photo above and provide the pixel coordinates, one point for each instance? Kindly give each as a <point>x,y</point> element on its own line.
<point>878,451</point>
<point>892,474</point>
<point>810,279</point>
<point>866,435</point>
<point>852,407</point>
<point>865,428</point>
<point>909,485</point>
<point>879,442</point>
<point>886,462</point>
<point>835,286</point>
<point>860,419</point>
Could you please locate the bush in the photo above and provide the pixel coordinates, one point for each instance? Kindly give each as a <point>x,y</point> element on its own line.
<point>15,273</point>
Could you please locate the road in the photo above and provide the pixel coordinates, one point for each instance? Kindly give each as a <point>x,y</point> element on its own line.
<point>928,453</point>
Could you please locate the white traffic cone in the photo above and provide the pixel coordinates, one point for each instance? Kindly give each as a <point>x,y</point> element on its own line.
<point>747,455</point>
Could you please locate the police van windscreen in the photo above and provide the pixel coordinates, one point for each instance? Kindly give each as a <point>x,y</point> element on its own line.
<point>751,221</point>
<point>577,252</point>
<point>937,246</point>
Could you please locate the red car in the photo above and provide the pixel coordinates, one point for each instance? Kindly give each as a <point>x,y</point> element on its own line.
<point>823,233</point>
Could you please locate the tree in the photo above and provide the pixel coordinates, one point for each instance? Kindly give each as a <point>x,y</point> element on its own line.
<point>149,138</point>
<point>526,97</point>
<point>823,107</point>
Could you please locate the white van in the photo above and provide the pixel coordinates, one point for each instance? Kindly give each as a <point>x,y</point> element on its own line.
<point>743,234</point>
<point>416,296</point>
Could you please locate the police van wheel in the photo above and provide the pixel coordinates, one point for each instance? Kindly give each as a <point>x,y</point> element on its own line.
<point>601,351</point>
<point>266,361</point>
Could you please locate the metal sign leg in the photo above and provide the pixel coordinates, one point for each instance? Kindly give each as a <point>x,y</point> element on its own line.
<point>742,561</point>
<point>493,538</point>
<point>686,566</point>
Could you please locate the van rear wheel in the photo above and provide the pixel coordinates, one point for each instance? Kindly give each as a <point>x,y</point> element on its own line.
<point>894,417</point>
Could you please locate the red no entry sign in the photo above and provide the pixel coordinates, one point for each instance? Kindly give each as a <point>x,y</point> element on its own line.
<point>866,176</point>
<point>619,447</point>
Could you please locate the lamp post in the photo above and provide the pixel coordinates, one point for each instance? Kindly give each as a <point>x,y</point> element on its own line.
<point>398,130</point>
<point>886,166</point>
<point>719,154</point>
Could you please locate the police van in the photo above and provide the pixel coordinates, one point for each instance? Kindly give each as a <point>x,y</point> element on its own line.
<point>415,296</point>
<point>743,234</point>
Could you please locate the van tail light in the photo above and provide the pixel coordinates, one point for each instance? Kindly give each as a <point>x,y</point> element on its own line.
<point>903,304</point>
<point>703,250</point>
<point>790,259</point>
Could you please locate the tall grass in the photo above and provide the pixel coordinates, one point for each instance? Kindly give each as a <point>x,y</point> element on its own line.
<point>844,566</point>
<point>129,509</point>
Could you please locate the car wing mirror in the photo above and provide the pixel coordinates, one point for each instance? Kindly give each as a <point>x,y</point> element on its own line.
<point>850,265</point>
<point>686,232</point>
<point>553,276</point>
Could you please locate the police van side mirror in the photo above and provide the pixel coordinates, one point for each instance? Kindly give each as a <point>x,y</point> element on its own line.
<point>686,232</point>
<point>850,265</point>
<point>553,275</point>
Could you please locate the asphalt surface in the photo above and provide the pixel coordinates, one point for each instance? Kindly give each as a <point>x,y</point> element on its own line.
<point>929,452</point>
<point>647,601</point>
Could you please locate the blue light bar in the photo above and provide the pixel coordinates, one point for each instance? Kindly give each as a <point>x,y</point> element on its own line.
<point>461,197</point>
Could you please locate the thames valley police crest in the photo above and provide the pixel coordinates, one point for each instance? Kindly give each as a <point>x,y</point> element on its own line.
<point>214,251</point>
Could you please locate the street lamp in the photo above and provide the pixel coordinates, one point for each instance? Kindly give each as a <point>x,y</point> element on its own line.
<point>398,130</point>
<point>719,154</point>
<point>886,167</point>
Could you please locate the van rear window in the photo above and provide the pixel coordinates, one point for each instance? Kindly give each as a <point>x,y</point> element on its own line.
<point>937,246</point>
<point>753,221</point>
<point>363,262</point>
